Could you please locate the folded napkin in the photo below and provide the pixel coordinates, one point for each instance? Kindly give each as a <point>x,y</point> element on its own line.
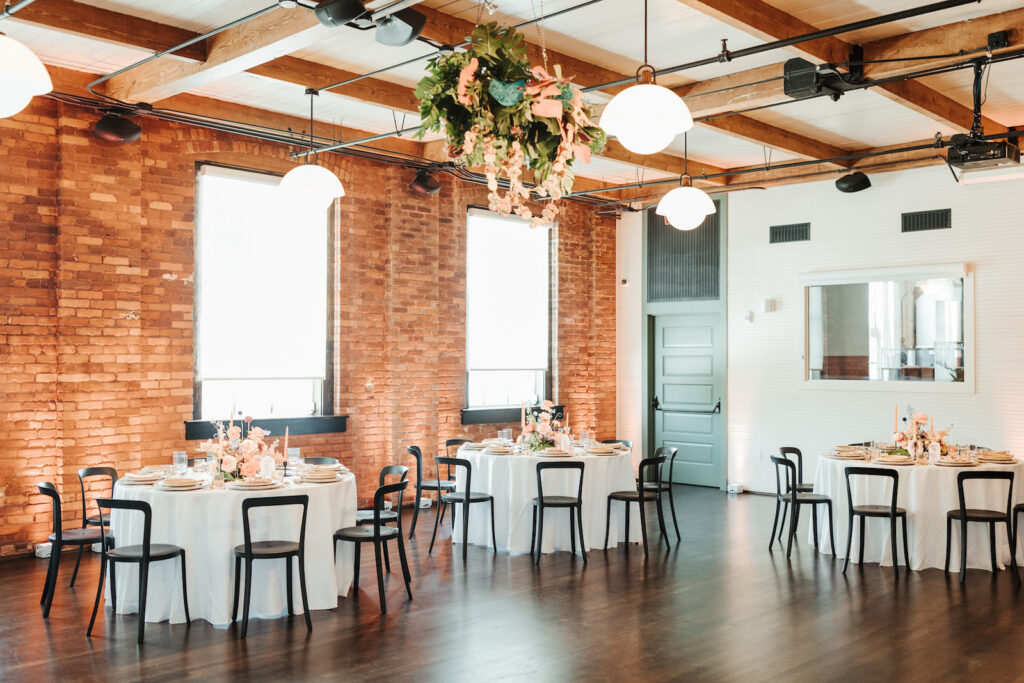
<point>143,475</point>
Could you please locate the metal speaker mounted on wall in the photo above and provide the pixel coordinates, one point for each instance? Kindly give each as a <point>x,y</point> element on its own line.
<point>853,182</point>
<point>425,184</point>
<point>114,127</point>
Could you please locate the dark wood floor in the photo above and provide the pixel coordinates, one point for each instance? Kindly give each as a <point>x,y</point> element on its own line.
<point>720,607</point>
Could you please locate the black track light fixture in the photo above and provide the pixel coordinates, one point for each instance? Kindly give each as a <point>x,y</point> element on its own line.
<point>424,183</point>
<point>116,127</point>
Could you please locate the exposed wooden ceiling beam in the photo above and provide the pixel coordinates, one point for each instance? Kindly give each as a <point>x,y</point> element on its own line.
<point>774,137</point>
<point>112,27</point>
<point>242,47</point>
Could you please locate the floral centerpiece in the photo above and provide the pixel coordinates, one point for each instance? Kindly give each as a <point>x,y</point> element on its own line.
<point>539,427</point>
<point>920,437</point>
<point>497,110</point>
<point>239,449</point>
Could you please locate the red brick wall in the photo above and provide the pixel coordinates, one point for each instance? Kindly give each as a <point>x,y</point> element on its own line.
<point>96,348</point>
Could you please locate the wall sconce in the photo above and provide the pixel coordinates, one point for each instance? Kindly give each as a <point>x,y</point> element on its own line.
<point>769,306</point>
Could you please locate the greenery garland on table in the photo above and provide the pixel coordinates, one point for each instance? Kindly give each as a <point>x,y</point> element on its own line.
<point>497,110</point>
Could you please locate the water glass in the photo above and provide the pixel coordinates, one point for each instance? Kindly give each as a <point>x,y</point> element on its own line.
<point>294,461</point>
<point>180,462</point>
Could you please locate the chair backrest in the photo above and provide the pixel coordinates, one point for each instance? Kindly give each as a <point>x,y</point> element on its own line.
<point>541,466</point>
<point>320,460</point>
<point>788,473</point>
<point>853,471</point>
<point>48,489</point>
<point>454,442</point>
<point>379,496</point>
<point>415,452</point>
<point>650,470</point>
<point>274,501</point>
<point>456,463</point>
<point>130,505</point>
<point>388,470</point>
<point>624,442</point>
<point>1005,476</point>
<point>786,451</point>
<point>670,455</point>
<point>87,472</point>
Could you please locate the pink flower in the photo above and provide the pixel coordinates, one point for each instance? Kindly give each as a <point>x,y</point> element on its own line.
<point>247,419</point>
<point>234,432</point>
<point>228,463</point>
<point>544,428</point>
<point>529,427</point>
<point>257,433</point>
<point>466,76</point>
<point>545,416</point>
<point>547,405</point>
<point>248,447</point>
<point>250,468</point>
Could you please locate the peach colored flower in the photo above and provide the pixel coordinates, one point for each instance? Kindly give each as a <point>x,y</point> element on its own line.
<point>545,416</point>
<point>247,419</point>
<point>228,463</point>
<point>250,468</point>
<point>529,427</point>
<point>257,433</point>
<point>547,404</point>
<point>248,447</point>
<point>466,76</point>
<point>544,428</point>
<point>234,432</point>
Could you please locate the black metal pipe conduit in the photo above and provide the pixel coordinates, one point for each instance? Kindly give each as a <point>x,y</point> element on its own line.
<point>8,11</point>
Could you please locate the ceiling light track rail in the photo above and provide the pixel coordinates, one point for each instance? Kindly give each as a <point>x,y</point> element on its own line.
<point>9,10</point>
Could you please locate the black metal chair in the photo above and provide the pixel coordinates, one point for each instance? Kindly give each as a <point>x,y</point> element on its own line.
<point>889,511</point>
<point>386,516</point>
<point>639,496</point>
<point>624,442</point>
<point>87,519</point>
<point>574,504</point>
<point>379,534</point>
<point>437,484</point>
<point>319,460</point>
<point>802,486</point>
<point>464,498</point>
<point>251,551</point>
<point>785,493</point>
<point>1018,510</point>
<point>665,487</point>
<point>143,555</point>
<point>963,514</point>
<point>58,539</point>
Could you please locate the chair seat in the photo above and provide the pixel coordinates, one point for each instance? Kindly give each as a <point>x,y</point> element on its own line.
<point>361,534</point>
<point>94,520</point>
<point>460,497</point>
<point>654,486</point>
<point>877,511</point>
<point>133,553</point>
<point>805,487</point>
<point>77,536</point>
<point>269,549</point>
<point>979,515</point>
<point>633,495</point>
<point>558,501</point>
<point>435,485</point>
<point>366,516</point>
<point>806,497</point>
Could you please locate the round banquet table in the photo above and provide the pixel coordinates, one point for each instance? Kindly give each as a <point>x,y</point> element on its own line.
<point>512,480</point>
<point>208,525</point>
<point>926,492</point>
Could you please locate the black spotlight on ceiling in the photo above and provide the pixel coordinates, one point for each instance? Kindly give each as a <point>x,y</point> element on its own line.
<point>340,12</point>
<point>853,182</point>
<point>400,28</point>
<point>115,127</point>
<point>424,183</point>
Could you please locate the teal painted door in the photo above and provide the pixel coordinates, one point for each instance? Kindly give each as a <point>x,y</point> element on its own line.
<point>688,387</point>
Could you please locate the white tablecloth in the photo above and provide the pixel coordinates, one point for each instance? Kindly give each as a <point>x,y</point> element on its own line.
<point>208,525</point>
<point>512,480</point>
<point>926,492</point>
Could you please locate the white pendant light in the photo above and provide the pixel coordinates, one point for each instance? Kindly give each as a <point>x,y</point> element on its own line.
<point>22,76</point>
<point>310,183</point>
<point>646,117</point>
<point>685,207</point>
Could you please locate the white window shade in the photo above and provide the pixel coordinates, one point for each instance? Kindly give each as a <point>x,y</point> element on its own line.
<point>262,279</point>
<point>507,297</point>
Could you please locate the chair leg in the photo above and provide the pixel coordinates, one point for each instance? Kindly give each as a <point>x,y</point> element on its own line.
<point>78,561</point>
<point>540,535</point>
<point>355,572</point>
<point>572,530</point>
<point>672,507</point>
<point>288,585</point>
<point>626,503</point>
<point>143,591</point>
<point>892,545</point>
<point>238,582</point>
<point>860,554</point>
<point>437,522</point>
<point>494,533</point>
<point>992,544</point>
<point>661,520</point>
<point>814,524</point>
<point>533,530</point>
<point>55,552</point>
<point>643,522</point>
<point>949,531</point>
<point>380,578</point>
<point>1013,552</point>
<point>444,509</point>
<point>963,549</point>
<point>248,593</point>
<point>387,557</point>
<point>465,527</point>
<point>775,524</point>
<point>849,541</point>
<point>415,512</point>
<point>46,583</point>
<point>831,530</point>
<point>793,521</point>
<point>906,546</point>
<point>113,587</point>
<point>782,528</point>
<point>579,523</point>
<point>302,591</point>
<point>405,566</point>
<point>99,594</point>
<point>184,589</point>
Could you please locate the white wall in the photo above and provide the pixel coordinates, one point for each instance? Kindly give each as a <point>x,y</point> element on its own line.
<point>769,403</point>
<point>629,337</point>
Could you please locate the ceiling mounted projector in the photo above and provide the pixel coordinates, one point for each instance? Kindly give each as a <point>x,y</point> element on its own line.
<point>853,182</point>
<point>114,127</point>
<point>400,28</point>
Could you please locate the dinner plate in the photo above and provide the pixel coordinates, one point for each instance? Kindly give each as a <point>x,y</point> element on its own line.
<point>839,456</point>
<point>195,487</point>
<point>240,486</point>
<point>319,480</point>
<point>954,464</point>
<point>989,461</point>
<point>548,454</point>
<point>900,462</point>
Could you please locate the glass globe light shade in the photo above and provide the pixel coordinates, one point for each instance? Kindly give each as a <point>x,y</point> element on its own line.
<point>312,183</point>
<point>685,207</point>
<point>646,117</point>
<point>22,76</point>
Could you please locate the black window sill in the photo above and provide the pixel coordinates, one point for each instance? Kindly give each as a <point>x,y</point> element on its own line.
<point>486,416</point>
<point>318,424</point>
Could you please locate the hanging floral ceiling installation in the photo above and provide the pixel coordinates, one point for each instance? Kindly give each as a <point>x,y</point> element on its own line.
<point>497,110</point>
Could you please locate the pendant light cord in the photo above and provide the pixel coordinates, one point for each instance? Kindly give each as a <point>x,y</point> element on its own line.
<point>645,31</point>
<point>312,94</point>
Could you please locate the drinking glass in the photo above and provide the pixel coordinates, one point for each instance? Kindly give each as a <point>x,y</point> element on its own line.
<point>294,461</point>
<point>180,462</point>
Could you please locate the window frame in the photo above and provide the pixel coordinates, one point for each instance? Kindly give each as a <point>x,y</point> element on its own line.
<point>326,394</point>
<point>500,414</point>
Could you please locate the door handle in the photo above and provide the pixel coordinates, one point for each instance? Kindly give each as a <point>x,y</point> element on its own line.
<point>717,409</point>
